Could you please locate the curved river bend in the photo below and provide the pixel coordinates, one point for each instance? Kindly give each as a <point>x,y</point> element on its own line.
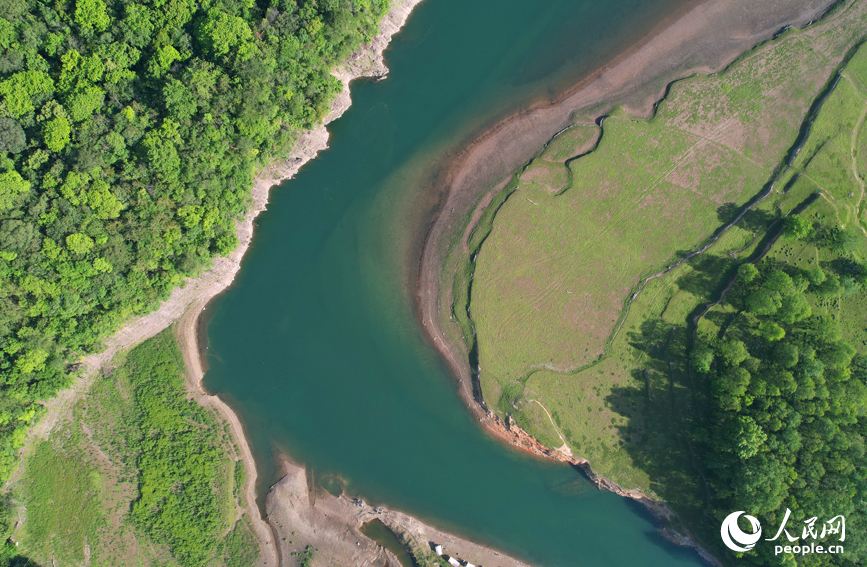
<point>316,345</point>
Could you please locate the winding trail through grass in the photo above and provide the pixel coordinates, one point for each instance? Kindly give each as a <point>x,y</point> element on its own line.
<point>781,169</point>
<point>519,315</point>
<point>565,447</point>
<point>853,145</point>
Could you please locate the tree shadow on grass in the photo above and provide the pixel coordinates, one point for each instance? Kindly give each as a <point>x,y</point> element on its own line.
<point>754,220</point>
<point>709,275</point>
<point>660,436</point>
<point>656,445</point>
<point>652,337</point>
<point>844,267</point>
<point>18,561</point>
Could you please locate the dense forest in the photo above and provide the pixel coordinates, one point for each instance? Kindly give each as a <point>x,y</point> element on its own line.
<point>175,454</point>
<point>129,137</point>
<point>788,419</point>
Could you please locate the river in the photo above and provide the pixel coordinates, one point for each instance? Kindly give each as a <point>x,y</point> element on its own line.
<point>316,344</point>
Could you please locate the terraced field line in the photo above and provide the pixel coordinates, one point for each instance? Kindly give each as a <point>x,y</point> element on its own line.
<point>775,177</point>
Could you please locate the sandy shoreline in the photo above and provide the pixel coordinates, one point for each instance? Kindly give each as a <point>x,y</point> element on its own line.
<point>704,39</point>
<point>367,62</point>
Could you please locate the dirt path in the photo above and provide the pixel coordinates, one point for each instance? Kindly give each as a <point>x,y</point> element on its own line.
<point>563,448</point>
<point>853,154</point>
<point>713,33</point>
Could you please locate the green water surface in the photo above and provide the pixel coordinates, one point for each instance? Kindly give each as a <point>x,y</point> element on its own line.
<point>316,344</point>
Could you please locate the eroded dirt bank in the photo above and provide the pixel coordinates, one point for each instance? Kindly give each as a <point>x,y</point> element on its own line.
<point>704,39</point>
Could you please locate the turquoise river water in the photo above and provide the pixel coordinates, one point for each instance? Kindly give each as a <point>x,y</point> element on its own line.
<point>317,346</point>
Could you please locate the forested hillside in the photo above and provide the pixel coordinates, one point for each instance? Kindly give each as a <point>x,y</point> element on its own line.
<point>787,394</point>
<point>129,137</point>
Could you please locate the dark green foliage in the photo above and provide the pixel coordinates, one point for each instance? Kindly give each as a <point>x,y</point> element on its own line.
<point>797,227</point>
<point>830,287</point>
<point>785,355</point>
<point>130,133</point>
<point>770,331</point>
<point>747,273</point>
<point>175,455</point>
<point>788,417</point>
<point>702,358</point>
<point>12,138</point>
<point>763,302</point>
<point>815,275</point>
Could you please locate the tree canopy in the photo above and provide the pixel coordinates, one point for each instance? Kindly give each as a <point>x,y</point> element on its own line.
<point>788,399</point>
<point>130,133</point>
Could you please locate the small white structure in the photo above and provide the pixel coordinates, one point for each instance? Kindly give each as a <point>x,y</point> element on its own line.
<point>438,550</point>
<point>469,564</point>
<point>454,562</point>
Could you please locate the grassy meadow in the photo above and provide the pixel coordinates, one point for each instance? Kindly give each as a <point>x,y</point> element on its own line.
<point>576,237</point>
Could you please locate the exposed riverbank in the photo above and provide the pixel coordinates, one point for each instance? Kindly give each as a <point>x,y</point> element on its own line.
<point>304,514</point>
<point>200,295</point>
<point>705,39</point>
<point>367,62</point>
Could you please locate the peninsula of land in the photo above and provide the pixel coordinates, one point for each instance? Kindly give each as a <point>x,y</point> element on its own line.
<point>515,283</point>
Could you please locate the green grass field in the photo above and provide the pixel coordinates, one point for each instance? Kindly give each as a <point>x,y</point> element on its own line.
<point>571,245</point>
<point>66,511</point>
<point>81,485</point>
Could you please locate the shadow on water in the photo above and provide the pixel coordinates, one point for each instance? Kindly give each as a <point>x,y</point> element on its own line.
<point>654,537</point>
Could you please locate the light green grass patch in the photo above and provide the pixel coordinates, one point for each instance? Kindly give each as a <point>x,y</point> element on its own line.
<point>553,276</point>
<point>575,141</point>
<point>545,176</point>
<point>832,158</point>
<point>65,505</point>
